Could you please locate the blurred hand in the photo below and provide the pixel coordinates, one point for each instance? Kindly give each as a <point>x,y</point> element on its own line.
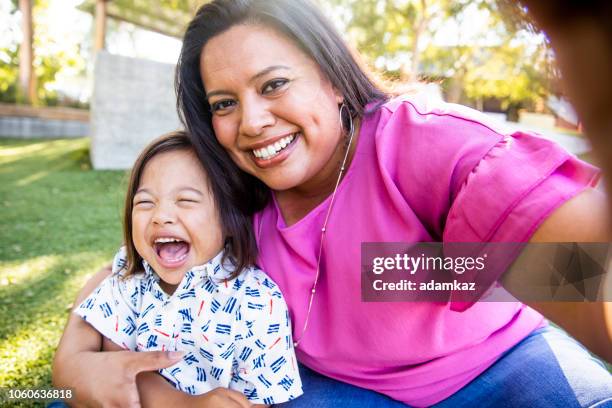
<point>581,35</point>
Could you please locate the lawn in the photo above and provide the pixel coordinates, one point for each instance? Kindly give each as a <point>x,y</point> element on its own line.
<point>60,223</point>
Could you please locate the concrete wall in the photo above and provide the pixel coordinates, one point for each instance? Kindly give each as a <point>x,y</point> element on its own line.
<point>23,121</point>
<point>133,102</point>
<point>25,127</point>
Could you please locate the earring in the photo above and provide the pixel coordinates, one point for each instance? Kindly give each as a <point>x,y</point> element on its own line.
<point>351,129</point>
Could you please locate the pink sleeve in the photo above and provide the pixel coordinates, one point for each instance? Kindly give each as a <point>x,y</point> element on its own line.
<point>468,181</point>
<point>513,188</point>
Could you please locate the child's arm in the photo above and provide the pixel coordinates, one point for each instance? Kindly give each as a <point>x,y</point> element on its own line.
<point>77,341</point>
<point>78,362</point>
<point>153,396</point>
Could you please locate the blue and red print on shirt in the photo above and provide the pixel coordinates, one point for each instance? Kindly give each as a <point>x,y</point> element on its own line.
<point>236,334</point>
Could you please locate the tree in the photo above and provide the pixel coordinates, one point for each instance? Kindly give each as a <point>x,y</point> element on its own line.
<point>32,82</point>
<point>26,91</point>
<point>500,60</point>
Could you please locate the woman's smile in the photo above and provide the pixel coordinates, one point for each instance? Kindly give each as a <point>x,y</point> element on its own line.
<point>275,152</point>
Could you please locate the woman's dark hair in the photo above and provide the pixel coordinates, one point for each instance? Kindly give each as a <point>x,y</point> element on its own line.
<point>239,244</point>
<point>301,22</point>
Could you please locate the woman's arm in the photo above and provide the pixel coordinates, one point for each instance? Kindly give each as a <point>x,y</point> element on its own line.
<point>79,353</point>
<point>581,219</point>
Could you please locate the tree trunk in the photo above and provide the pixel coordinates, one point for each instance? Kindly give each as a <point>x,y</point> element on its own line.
<point>27,80</point>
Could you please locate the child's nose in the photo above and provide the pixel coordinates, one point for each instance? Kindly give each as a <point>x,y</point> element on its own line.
<point>164,214</point>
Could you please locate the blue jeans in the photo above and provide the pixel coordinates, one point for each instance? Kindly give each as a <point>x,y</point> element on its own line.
<point>546,369</point>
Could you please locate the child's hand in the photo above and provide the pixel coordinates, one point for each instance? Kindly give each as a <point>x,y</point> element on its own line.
<point>221,398</point>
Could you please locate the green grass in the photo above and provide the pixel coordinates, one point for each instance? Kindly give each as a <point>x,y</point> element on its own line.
<point>60,223</point>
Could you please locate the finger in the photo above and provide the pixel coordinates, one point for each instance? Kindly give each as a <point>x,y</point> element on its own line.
<point>152,360</point>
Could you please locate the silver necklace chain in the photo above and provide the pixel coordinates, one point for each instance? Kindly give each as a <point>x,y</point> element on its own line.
<point>324,228</point>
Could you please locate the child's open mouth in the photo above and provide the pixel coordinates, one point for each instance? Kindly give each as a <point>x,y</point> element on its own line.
<point>171,251</point>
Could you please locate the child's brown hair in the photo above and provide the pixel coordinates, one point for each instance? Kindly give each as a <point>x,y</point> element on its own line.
<point>239,243</point>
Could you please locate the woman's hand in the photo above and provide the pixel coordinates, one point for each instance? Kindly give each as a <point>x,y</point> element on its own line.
<point>100,379</point>
<point>108,379</point>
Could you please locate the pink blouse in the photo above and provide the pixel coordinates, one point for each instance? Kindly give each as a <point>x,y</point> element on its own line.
<point>422,172</point>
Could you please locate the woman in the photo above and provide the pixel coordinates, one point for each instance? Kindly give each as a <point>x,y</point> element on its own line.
<point>329,162</point>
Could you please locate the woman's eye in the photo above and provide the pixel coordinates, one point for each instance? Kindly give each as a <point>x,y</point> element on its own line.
<point>273,85</point>
<point>221,106</point>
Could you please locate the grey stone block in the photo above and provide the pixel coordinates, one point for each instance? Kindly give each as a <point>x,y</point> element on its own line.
<point>133,102</point>
<point>26,127</point>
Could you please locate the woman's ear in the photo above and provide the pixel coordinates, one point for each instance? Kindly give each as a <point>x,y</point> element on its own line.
<point>339,96</point>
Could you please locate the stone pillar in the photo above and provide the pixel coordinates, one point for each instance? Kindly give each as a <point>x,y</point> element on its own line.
<point>133,102</point>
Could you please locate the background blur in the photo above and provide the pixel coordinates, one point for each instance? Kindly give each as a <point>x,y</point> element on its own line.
<point>84,85</point>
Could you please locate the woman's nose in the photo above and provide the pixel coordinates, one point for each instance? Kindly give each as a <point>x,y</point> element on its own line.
<point>256,117</point>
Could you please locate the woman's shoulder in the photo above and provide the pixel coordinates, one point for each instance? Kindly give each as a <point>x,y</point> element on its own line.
<point>427,110</point>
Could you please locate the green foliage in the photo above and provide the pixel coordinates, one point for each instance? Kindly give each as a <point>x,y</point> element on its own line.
<point>9,72</point>
<point>60,223</point>
<point>398,36</point>
<point>51,55</point>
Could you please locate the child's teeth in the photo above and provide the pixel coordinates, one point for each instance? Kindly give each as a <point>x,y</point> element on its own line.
<point>164,240</point>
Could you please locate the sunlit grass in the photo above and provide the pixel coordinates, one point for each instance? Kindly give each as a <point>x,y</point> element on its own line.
<point>60,223</point>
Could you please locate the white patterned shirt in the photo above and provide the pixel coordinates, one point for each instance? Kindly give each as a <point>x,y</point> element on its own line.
<point>236,334</point>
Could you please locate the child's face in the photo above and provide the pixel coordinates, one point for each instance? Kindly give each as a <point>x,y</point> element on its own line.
<point>175,225</point>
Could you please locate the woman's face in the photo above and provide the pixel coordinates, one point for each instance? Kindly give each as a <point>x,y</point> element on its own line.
<point>175,224</point>
<point>274,111</point>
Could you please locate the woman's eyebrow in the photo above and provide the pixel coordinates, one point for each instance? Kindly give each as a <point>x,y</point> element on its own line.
<point>258,75</point>
<point>266,71</point>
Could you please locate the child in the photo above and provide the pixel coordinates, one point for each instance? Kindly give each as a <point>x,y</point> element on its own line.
<point>183,282</point>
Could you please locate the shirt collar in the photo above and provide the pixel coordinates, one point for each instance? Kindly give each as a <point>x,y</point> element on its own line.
<point>213,270</point>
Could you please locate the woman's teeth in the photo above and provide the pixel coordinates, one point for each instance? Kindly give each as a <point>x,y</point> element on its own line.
<point>273,149</point>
